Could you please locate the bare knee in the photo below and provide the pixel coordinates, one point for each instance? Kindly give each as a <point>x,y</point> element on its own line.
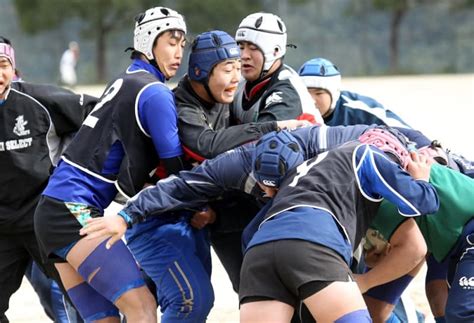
<point>326,306</point>
<point>379,310</point>
<point>138,305</point>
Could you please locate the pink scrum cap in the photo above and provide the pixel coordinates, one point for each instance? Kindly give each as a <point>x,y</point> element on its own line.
<point>7,51</point>
<point>436,152</point>
<point>389,140</point>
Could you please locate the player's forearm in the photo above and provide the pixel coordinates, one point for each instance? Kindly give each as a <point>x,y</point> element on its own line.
<point>408,249</point>
<point>399,263</point>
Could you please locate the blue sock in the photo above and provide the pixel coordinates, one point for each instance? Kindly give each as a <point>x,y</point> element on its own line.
<point>359,316</point>
<point>393,319</point>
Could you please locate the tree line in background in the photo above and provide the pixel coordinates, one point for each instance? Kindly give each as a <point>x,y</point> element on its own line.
<point>363,37</point>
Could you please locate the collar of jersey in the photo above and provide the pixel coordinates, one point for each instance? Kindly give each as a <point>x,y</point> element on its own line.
<point>138,64</point>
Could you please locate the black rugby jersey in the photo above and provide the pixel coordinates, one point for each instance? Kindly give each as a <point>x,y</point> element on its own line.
<point>282,96</point>
<point>115,118</point>
<point>329,182</point>
<point>204,127</point>
<point>36,122</point>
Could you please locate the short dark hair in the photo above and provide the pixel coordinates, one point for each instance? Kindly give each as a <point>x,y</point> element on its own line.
<point>135,54</point>
<point>4,40</point>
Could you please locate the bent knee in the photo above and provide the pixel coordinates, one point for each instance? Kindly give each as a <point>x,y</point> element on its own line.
<point>194,308</point>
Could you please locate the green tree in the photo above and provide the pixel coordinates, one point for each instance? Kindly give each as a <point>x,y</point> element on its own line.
<point>100,17</point>
<point>205,15</point>
<point>397,10</point>
<point>462,4</point>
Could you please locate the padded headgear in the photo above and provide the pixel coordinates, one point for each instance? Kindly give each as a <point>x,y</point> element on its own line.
<point>390,141</point>
<point>6,50</point>
<point>268,32</point>
<point>209,49</point>
<point>436,152</point>
<point>151,24</point>
<point>321,73</point>
<point>274,155</point>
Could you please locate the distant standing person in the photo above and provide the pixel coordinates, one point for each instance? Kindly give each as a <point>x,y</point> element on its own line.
<point>67,65</point>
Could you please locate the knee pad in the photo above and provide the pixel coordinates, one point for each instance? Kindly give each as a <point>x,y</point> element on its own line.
<point>359,316</point>
<point>90,304</point>
<point>390,292</point>
<point>440,319</point>
<point>111,272</point>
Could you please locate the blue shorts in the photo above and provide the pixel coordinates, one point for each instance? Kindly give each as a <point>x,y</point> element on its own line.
<point>460,304</point>
<point>177,258</point>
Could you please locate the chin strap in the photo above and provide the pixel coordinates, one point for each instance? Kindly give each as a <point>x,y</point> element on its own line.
<point>155,64</point>
<point>264,73</point>
<point>208,90</point>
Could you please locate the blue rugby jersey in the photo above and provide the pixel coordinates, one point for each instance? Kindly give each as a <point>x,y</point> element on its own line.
<point>157,116</point>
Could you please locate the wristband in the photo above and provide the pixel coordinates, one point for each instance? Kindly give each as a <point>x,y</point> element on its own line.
<point>126,217</point>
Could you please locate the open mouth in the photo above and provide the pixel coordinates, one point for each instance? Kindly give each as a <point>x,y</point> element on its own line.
<point>230,90</point>
<point>174,66</point>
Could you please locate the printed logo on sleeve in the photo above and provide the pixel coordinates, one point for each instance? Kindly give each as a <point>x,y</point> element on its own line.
<point>270,183</point>
<point>466,283</point>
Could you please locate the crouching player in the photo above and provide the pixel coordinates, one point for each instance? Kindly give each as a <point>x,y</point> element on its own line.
<point>449,236</point>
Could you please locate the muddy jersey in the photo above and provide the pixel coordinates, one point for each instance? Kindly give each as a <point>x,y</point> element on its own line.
<point>35,121</point>
<point>282,96</point>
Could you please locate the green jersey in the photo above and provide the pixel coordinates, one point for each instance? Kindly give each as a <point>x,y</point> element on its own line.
<point>441,230</point>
